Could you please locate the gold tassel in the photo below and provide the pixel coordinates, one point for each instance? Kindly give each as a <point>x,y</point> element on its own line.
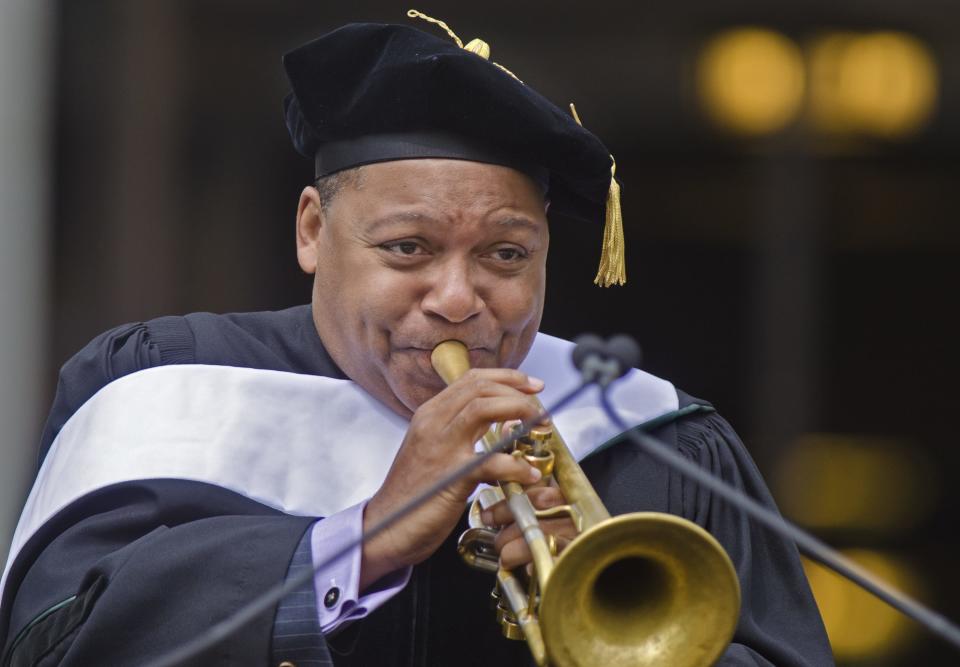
<point>480,47</point>
<point>414,14</point>
<point>476,46</point>
<point>613,265</point>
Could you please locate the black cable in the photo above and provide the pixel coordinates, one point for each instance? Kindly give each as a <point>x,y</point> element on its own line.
<point>807,543</point>
<point>249,612</point>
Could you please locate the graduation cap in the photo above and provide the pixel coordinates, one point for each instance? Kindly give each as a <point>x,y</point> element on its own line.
<point>369,92</point>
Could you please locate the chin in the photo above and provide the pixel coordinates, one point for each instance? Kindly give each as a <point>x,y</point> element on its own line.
<point>415,387</point>
<point>413,398</point>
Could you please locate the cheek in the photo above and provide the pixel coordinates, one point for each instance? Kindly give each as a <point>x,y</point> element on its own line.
<point>518,304</point>
<point>518,312</point>
<point>517,309</point>
<point>367,298</point>
<point>388,295</point>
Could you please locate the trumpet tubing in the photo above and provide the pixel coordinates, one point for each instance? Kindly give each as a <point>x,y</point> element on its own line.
<point>637,589</point>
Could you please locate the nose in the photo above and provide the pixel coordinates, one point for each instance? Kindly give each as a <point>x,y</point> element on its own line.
<point>453,295</point>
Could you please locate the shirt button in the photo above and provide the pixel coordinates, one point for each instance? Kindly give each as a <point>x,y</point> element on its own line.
<point>331,598</point>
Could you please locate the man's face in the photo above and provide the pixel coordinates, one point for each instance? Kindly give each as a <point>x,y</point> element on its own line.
<point>416,252</point>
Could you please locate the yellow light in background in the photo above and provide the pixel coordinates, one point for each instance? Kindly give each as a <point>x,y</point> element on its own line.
<point>826,101</point>
<point>881,83</point>
<point>830,481</point>
<point>859,625</point>
<point>751,80</point>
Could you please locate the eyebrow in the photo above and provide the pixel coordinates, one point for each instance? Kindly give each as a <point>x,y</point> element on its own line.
<point>514,221</point>
<point>394,218</point>
<point>415,216</point>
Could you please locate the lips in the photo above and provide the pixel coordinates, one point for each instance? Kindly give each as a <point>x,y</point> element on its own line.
<point>480,356</point>
<point>428,347</point>
<point>474,351</point>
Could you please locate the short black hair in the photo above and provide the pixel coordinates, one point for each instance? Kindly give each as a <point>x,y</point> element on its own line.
<point>330,186</point>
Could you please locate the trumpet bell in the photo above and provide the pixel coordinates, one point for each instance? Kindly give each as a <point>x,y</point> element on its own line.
<point>640,589</point>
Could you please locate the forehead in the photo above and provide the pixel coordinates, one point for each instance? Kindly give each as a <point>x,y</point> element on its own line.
<point>411,189</point>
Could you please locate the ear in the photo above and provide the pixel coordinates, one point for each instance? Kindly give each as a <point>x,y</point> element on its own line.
<point>309,222</point>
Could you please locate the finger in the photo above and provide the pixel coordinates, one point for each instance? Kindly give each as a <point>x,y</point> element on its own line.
<point>475,417</point>
<point>558,527</point>
<point>517,552</point>
<point>542,497</point>
<point>514,554</point>
<point>447,407</point>
<point>485,382</point>
<point>505,376</point>
<point>505,468</point>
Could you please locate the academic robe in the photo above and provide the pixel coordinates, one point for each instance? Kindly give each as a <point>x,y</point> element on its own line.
<point>133,569</point>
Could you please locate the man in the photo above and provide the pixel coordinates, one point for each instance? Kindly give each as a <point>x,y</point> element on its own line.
<point>191,463</point>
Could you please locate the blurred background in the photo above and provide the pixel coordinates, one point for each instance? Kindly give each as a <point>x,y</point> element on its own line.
<point>789,178</point>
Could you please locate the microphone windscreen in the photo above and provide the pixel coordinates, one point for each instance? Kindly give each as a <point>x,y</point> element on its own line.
<point>586,345</point>
<point>625,351</point>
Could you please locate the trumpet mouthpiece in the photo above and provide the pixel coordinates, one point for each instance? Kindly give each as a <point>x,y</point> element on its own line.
<point>450,359</point>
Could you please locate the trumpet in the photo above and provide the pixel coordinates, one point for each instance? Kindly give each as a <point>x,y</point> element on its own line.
<point>645,588</point>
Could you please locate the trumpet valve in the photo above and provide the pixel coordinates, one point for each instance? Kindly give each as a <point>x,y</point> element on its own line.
<point>508,622</point>
<point>535,449</point>
<point>511,630</point>
<point>476,548</point>
<point>494,600</point>
<point>543,463</point>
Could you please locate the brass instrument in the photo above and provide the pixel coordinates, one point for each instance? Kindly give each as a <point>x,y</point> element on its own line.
<point>638,589</point>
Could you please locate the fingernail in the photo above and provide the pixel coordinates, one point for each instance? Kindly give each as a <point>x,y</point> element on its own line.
<point>534,383</point>
<point>535,474</point>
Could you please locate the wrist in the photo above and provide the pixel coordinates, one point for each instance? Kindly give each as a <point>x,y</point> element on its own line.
<point>377,560</point>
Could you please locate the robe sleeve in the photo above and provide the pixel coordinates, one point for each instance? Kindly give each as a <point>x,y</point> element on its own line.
<point>108,357</point>
<point>136,569</point>
<point>779,621</point>
<point>132,570</point>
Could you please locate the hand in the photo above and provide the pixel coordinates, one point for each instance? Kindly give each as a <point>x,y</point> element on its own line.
<point>440,439</point>
<point>510,545</point>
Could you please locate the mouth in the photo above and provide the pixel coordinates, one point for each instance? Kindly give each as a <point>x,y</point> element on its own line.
<point>430,346</point>
<point>481,356</point>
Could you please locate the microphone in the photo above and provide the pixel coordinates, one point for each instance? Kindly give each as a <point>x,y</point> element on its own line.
<point>605,361</point>
<point>626,351</point>
<point>586,345</point>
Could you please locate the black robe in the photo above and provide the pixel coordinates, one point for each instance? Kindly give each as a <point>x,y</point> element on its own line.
<point>132,570</point>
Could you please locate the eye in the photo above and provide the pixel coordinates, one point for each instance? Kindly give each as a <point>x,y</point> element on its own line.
<point>405,248</point>
<point>509,254</point>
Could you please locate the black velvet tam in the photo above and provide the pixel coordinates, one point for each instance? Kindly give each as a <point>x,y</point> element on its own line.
<point>369,93</point>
